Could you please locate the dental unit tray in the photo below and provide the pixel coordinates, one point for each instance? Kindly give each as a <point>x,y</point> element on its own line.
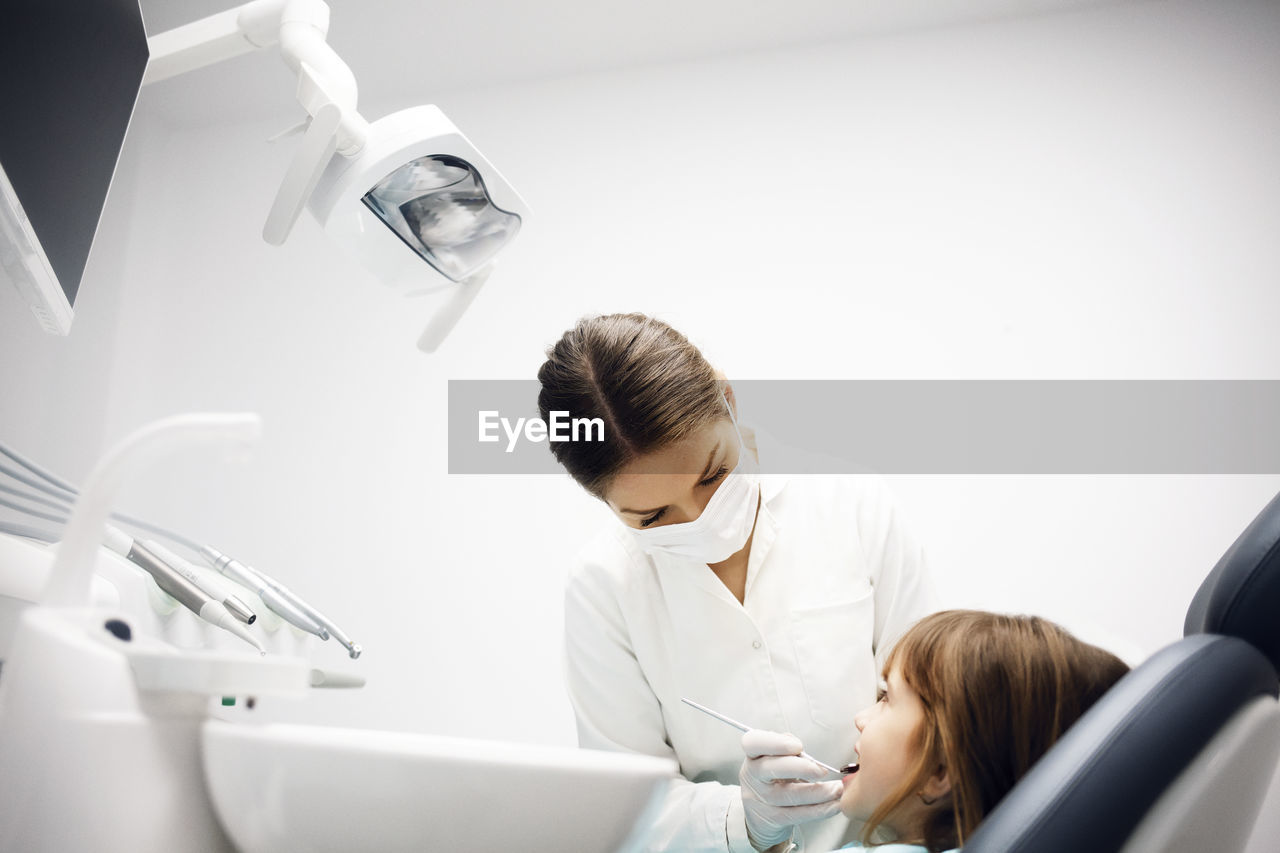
<point>112,723</point>
<point>42,496</point>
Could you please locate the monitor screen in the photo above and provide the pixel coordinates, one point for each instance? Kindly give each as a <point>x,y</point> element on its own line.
<point>70,72</point>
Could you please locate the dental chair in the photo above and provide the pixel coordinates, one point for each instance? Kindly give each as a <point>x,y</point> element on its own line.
<point>1179,754</point>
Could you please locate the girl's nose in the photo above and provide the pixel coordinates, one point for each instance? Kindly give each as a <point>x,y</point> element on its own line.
<point>860,719</point>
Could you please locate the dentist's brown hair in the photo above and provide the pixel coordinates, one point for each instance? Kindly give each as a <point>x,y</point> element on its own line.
<point>642,378</point>
<point>998,691</point>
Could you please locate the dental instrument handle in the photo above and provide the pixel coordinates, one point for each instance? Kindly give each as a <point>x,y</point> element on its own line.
<point>238,608</point>
<point>721,717</point>
<point>248,577</point>
<point>353,649</point>
<point>745,728</point>
<point>189,595</point>
<point>280,606</point>
<point>215,613</point>
<point>123,544</point>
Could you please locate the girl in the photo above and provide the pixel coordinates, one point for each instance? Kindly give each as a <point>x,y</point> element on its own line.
<point>774,602</point>
<point>970,701</point>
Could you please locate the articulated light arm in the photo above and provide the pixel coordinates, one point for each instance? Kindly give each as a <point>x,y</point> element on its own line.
<point>407,191</point>
<point>326,86</point>
<point>298,27</point>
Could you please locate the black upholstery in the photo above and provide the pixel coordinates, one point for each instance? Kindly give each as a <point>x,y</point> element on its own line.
<point>1241,596</point>
<point>1098,782</point>
<point>1094,788</point>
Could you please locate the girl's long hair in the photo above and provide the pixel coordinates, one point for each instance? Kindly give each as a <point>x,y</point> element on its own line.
<point>997,691</point>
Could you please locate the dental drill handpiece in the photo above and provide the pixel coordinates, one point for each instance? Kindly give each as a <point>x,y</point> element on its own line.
<point>188,594</point>
<point>353,649</point>
<point>238,608</point>
<point>326,624</point>
<point>275,602</point>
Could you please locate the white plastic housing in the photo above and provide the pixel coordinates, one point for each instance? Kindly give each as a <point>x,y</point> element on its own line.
<point>24,260</point>
<point>392,142</point>
<point>100,735</point>
<point>331,790</point>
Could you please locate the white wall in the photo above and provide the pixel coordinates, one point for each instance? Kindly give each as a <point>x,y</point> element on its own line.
<point>54,390</point>
<point>1089,195</point>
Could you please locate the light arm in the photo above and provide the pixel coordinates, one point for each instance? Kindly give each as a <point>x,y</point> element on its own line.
<point>304,173</point>
<point>326,86</point>
<point>327,91</point>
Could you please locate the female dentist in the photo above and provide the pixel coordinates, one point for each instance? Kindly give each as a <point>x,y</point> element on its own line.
<point>742,594</point>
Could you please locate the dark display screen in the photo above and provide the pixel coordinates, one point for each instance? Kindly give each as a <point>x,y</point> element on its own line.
<point>70,71</point>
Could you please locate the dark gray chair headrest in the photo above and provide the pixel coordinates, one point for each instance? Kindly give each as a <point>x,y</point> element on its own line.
<point>1241,596</point>
<point>1093,788</point>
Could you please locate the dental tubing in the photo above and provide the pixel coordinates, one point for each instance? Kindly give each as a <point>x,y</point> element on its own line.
<point>26,532</point>
<point>63,495</point>
<point>178,574</point>
<point>120,542</point>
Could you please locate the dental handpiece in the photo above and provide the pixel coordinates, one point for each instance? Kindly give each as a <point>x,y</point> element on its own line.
<point>238,608</point>
<point>325,623</point>
<point>189,595</point>
<point>745,728</point>
<point>274,601</point>
<point>353,649</point>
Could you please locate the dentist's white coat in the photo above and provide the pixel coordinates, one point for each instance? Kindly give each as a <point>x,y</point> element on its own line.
<point>833,580</point>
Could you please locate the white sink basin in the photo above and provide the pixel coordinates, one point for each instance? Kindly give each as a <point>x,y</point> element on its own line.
<point>307,789</point>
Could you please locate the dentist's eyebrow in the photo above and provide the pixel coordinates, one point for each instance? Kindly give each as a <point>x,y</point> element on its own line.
<point>705,471</point>
<point>710,462</point>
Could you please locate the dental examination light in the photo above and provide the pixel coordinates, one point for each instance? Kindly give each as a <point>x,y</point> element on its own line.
<point>407,196</point>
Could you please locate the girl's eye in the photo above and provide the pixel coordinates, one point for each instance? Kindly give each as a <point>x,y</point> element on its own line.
<point>714,477</point>
<point>882,691</point>
<point>645,522</point>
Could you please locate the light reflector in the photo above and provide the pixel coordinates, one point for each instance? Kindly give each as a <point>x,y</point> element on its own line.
<point>439,206</point>
<point>418,206</point>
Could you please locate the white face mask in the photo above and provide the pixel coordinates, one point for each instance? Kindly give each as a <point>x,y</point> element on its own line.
<point>725,523</point>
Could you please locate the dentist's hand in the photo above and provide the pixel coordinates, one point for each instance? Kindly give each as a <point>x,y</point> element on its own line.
<point>780,789</point>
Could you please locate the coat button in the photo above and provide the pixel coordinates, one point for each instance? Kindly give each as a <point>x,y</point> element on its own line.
<point>755,644</point>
